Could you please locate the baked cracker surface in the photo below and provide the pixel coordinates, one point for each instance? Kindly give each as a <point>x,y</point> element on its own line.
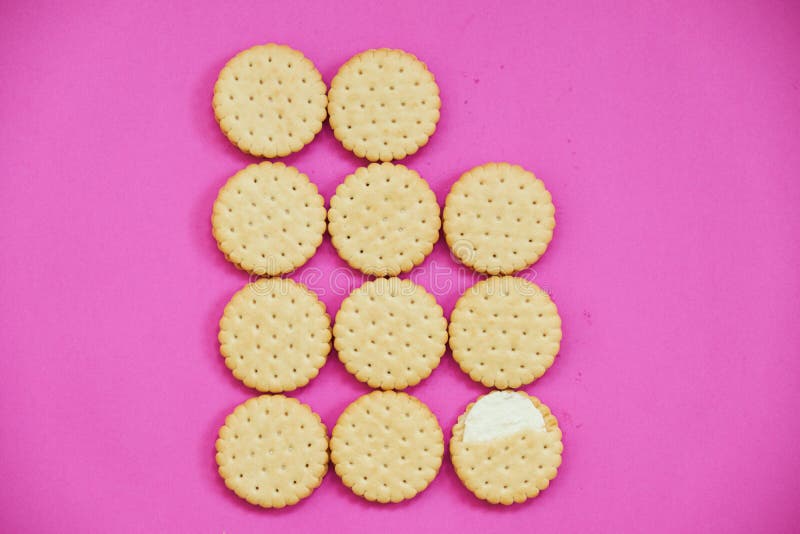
<point>505,332</point>
<point>274,335</point>
<point>512,468</point>
<point>272,451</point>
<point>268,219</point>
<point>498,218</point>
<point>384,219</point>
<point>270,100</point>
<point>387,446</point>
<point>390,333</point>
<point>383,104</point>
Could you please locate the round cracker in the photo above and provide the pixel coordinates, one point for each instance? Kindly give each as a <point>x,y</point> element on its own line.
<point>498,218</point>
<point>270,100</point>
<point>384,219</point>
<point>275,335</point>
<point>505,332</point>
<point>387,446</point>
<point>511,468</point>
<point>383,104</point>
<point>272,451</point>
<point>268,219</point>
<point>390,333</point>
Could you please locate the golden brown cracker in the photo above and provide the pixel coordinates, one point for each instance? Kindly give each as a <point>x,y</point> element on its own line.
<point>505,332</point>
<point>512,468</point>
<point>275,335</point>
<point>384,219</point>
<point>498,218</point>
<point>390,333</point>
<point>270,100</point>
<point>268,219</point>
<point>272,451</point>
<point>387,446</point>
<point>383,104</point>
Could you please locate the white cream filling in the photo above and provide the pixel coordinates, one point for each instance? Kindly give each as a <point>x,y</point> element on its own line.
<point>499,414</point>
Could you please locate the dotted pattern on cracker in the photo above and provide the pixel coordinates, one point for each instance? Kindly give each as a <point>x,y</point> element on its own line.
<point>512,468</point>
<point>498,218</point>
<point>390,333</point>
<point>383,104</point>
<point>270,100</point>
<point>268,219</point>
<point>272,451</point>
<point>275,335</point>
<point>387,446</point>
<point>505,332</point>
<point>384,219</point>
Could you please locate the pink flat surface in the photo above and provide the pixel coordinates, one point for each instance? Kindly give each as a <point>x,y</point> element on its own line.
<point>667,133</point>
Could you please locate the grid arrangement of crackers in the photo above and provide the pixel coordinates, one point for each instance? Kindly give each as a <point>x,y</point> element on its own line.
<point>275,334</point>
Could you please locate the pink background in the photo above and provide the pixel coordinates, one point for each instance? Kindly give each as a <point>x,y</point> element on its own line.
<point>667,133</point>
